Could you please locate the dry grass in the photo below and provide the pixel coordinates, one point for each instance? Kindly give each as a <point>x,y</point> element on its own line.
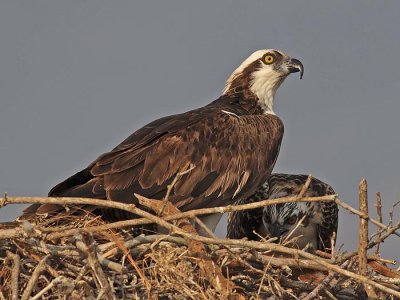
<point>69,257</point>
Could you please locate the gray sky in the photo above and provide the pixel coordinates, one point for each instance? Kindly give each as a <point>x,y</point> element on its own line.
<point>77,77</point>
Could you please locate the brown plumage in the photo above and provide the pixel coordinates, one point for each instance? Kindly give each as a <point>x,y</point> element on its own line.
<point>231,146</point>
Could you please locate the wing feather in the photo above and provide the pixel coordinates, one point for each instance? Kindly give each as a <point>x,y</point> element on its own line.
<point>231,156</point>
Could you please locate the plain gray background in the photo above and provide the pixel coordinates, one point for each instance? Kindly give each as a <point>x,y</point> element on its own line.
<point>78,76</point>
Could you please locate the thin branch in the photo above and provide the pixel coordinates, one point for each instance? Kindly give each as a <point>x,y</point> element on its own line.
<point>379,213</point>
<point>263,276</point>
<point>204,227</point>
<point>287,238</point>
<point>145,239</point>
<point>283,262</point>
<point>330,295</point>
<point>381,260</point>
<point>356,212</point>
<point>363,232</point>
<point>384,236</point>
<point>64,201</point>
<point>315,292</point>
<point>391,212</point>
<point>333,240</point>
<point>17,232</point>
<point>15,259</point>
<point>305,187</point>
<point>389,232</point>
<point>60,280</point>
<point>349,274</point>
<point>88,246</point>
<point>40,268</point>
<point>382,269</point>
<point>363,236</point>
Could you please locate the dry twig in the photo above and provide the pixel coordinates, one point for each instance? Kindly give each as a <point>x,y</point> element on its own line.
<point>88,246</point>
<point>378,205</point>
<point>208,268</point>
<point>15,259</point>
<point>40,268</point>
<point>305,187</point>
<point>363,237</point>
<point>176,266</point>
<point>64,201</point>
<point>356,212</point>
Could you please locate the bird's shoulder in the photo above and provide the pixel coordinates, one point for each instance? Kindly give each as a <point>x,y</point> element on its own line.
<point>216,121</point>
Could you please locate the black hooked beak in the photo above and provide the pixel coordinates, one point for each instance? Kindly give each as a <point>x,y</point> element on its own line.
<point>294,66</point>
<point>277,230</point>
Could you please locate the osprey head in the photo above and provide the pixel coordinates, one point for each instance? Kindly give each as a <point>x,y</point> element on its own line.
<point>261,74</point>
<point>282,221</point>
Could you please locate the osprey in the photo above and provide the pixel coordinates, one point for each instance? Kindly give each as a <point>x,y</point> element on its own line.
<point>226,149</point>
<point>318,220</point>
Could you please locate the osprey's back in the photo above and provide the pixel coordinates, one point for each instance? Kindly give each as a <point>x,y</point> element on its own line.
<point>227,148</point>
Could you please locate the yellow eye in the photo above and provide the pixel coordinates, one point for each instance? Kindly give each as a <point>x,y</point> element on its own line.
<point>269,59</point>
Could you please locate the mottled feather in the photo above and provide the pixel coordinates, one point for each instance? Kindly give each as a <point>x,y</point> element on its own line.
<point>245,223</point>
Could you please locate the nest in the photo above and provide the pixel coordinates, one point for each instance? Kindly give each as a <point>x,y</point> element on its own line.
<point>71,257</point>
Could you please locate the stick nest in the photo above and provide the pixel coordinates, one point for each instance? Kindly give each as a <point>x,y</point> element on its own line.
<point>70,257</point>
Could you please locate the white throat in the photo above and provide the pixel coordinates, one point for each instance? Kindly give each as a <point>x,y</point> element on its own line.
<point>264,85</point>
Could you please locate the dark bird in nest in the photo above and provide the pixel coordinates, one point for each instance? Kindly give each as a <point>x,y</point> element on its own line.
<point>306,223</point>
<point>225,149</point>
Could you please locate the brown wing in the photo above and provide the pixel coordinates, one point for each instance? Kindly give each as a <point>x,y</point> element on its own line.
<point>230,156</point>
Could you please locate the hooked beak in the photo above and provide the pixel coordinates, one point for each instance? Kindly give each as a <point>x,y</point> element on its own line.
<point>294,66</point>
<point>277,230</point>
